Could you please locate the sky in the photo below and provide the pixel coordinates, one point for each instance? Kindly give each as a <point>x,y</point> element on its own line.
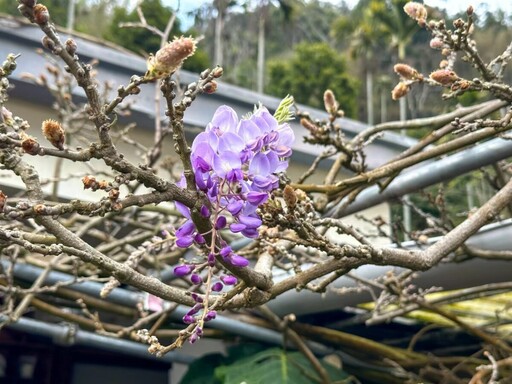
<point>453,5</point>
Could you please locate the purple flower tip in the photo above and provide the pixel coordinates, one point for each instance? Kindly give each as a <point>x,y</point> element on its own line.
<point>183,270</point>
<point>238,261</point>
<point>211,260</point>
<point>217,287</point>
<point>226,251</point>
<point>196,297</point>
<point>229,280</point>
<point>205,212</point>
<point>185,241</point>
<point>188,319</point>
<point>193,338</point>
<point>196,279</point>
<point>199,239</point>
<point>210,315</point>
<point>221,222</point>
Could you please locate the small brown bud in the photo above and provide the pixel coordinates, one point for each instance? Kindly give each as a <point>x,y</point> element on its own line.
<point>290,198</point>
<point>416,11</point>
<point>400,90</point>
<point>169,58</point>
<point>30,146</point>
<point>113,194</point>
<point>446,51</point>
<point>3,199</point>
<point>444,76</point>
<point>464,84</point>
<point>54,133</point>
<point>308,124</point>
<point>134,91</point>
<point>103,184</point>
<point>443,64</point>
<point>210,87</point>
<point>89,182</point>
<point>459,23</point>
<point>71,46</point>
<point>470,10</point>
<point>423,239</point>
<point>330,103</point>
<point>39,208</point>
<point>406,71</point>
<point>41,14</point>
<point>218,72</point>
<point>48,43</point>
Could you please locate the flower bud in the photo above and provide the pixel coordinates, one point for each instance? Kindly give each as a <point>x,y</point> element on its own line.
<point>415,10</point>
<point>444,76</point>
<point>48,43</point>
<point>41,14</point>
<point>290,198</point>
<point>169,58</point>
<point>30,145</point>
<point>71,46</point>
<point>229,280</point>
<point>446,51</point>
<point>458,23</point>
<point>330,103</point>
<point>470,10</point>
<point>183,270</point>
<point>217,72</point>
<point>436,43</point>
<point>443,64</point>
<point>217,287</point>
<point>406,71</point>
<point>210,87</point>
<point>54,133</point>
<point>89,182</point>
<point>400,90</point>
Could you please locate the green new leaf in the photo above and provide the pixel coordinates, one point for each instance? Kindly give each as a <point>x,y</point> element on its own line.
<point>283,112</point>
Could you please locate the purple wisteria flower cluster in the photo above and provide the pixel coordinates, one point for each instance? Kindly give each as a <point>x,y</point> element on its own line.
<point>235,163</point>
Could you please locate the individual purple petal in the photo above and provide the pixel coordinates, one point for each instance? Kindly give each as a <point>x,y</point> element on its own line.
<point>256,198</point>
<point>259,165</point>
<point>196,308</point>
<point>235,206</point>
<point>196,279</point>
<point>221,222</point>
<point>199,331</point>
<point>265,115</point>
<point>210,315</point>
<point>211,259</point>
<point>186,229</point>
<point>225,163</point>
<point>193,338</point>
<point>238,261</point>
<point>248,131</point>
<point>235,175</point>
<point>183,270</point>
<point>251,233</point>
<point>229,280</point>
<point>249,221</point>
<point>217,287</point>
<point>286,135</point>
<point>183,209</point>
<point>200,182</point>
<point>185,241</point>
<point>237,227</point>
<point>187,319</point>
<point>231,142</point>
<point>224,119</point>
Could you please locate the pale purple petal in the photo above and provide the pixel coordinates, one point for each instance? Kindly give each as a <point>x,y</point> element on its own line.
<point>260,165</point>
<point>225,119</point>
<point>239,261</point>
<point>225,163</point>
<point>231,142</point>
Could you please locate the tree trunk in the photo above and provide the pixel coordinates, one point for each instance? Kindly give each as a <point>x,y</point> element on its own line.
<point>369,96</point>
<point>219,25</point>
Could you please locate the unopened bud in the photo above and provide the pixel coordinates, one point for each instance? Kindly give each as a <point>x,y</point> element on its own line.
<point>436,43</point>
<point>169,58</point>
<point>41,14</point>
<point>458,23</point>
<point>7,116</point>
<point>308,124</point>
<point>89,182</point>
<point>446,52</point>
<point>443,64</point>
<point>54,133</point>
<point>406,71</point>
<point>210,87</point>
<point>218,72</point>
<point>30,146</point>
<point>400,90</point>
<point>48,43</point>
<point>330,103</point>
<point>444,76</point>
<point>3,199</point>
<point>71,46</point>
<point>470,10</point>
<point>113,194</point>
<point>416,11</point>
<point>290,198</point>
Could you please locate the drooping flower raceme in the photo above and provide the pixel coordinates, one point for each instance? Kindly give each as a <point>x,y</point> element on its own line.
<point>235,163</point>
